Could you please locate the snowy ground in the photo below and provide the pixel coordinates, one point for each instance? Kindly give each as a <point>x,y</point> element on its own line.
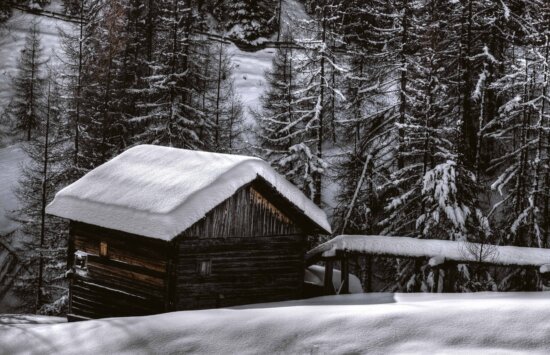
<point>12,40</point>
<point>249,70</point>
<point>488,323</point>
<point>11,159</point>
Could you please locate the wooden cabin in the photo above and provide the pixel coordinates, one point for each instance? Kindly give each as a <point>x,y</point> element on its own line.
<point>159,229</point>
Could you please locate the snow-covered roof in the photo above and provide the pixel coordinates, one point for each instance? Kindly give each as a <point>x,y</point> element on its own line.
<point>450,250</point>
<point>159,192</point>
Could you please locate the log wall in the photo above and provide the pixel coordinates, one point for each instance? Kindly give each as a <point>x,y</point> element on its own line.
<point>255,249</point>
<point>243,271</point>
<point>132,279</point>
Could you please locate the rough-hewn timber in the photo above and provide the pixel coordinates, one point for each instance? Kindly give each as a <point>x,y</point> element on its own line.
<point>248,213</point>
<point>243,271</point>
<point>130,280</point>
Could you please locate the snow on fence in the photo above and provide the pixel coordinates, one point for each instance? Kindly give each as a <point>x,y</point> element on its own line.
<point>450,250</point>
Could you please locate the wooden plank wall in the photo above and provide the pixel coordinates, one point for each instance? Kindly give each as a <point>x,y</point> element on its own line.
<point>256,252</point>
<point>131,280</point>
<point>246,214</point>
<point>243,271</point>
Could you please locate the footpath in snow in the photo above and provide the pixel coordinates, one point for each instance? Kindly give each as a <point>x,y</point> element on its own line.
<point>488,323</point>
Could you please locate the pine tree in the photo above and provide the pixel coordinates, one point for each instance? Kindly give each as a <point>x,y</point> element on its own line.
<point>521,128</point>
<point>368,116</point>
<point>73,45</point>
<point>174,116</point>
<point>282,126</point>
<point>41,282</point>
<point>28,85</point>
<point>247,21</point>
<point>316,94</point>
<point>103,128</point>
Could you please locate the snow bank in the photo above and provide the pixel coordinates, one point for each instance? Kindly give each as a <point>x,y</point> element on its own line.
<point>451,250</point>
<point>544,269</point>
<point>159,192</point>
<point>358,324</point>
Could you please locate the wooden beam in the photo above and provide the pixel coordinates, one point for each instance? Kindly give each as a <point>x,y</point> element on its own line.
<point>435,286</point>
<point>344,274</point>
<point>329,268</point>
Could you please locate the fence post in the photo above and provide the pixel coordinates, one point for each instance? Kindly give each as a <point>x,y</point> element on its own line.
<point>435,263</point>
<point>329,267</point>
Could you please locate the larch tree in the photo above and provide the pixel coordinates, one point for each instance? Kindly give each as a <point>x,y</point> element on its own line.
<point>28,85</point>
<point>521,130</point>
<point>41,281</point>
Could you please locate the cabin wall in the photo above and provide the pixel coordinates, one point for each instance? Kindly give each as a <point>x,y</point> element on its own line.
<point>242,271</point>
<point>132,279</point>
<point>254,250</point>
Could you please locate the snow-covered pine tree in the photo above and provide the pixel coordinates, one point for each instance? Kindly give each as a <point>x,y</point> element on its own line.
<point>73,46</point>
<point>368,115</point>
<point>284,130</point>
<point>435,192</point>
<point>174,99</point>
<point>315,94</point>
<point>486,31</point>
<point>142,19</point>
<point>41,281</point>
<point>28,85</point>
<point>218,96</point>
<point>232,124</point>
<point>248,21</point>
<point>521,130</point>
<point>103,128</point>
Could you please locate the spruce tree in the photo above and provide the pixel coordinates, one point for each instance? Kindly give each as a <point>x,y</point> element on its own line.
<point>247,21</point>
<point>103,128</point>
<point>282,125</point>
<point>174,116</point>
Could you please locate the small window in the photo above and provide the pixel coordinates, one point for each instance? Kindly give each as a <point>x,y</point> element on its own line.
<point>81,260</point>
<point>204,267</point>
<point>103,249</point>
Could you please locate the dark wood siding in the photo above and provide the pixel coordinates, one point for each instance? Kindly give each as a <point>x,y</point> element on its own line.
<point>256,250</point>
<point>130,280</point>
<point>243,271</point>
<point>248,213</point>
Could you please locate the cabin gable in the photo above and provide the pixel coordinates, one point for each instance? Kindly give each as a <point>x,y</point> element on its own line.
<point>248,213</point>
<point>248,249</point>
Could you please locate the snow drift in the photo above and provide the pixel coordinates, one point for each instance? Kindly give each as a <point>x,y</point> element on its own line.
<point>488,323</point>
